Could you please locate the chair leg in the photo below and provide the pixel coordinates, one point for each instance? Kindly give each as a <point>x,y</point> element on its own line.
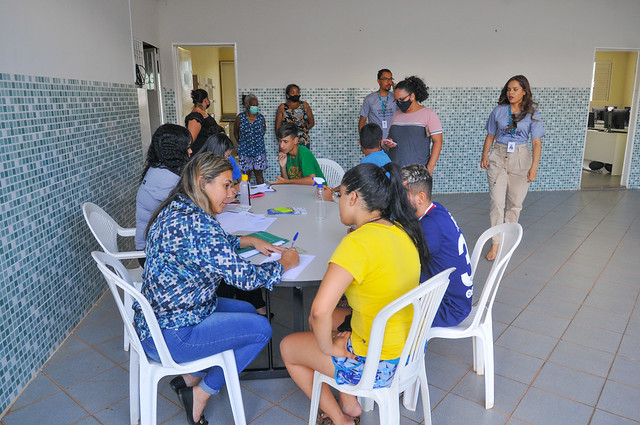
<point>233,387</point>
<point>426,399</point>
<point>366,403</point>
<point>128,306</point>
<point>478,354</point>
<point>315,398</point>
<point>410,396</point>
<point>148,397</point>
<point>134,388</point>
<point>389,406</point>
<point>488,374</point>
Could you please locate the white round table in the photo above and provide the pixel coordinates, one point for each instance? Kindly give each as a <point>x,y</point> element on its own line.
<point>315,237</point>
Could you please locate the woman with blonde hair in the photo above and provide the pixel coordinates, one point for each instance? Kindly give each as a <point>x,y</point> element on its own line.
<point>188,255</point>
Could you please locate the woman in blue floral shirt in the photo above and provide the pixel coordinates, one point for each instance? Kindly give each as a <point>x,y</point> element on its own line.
<point>188,254</point>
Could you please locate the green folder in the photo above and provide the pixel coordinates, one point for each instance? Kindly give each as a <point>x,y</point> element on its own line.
<point>265,236</point>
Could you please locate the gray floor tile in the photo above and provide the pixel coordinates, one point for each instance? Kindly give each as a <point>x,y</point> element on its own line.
<point>458,349</point>
<point>595,317</point>
<point>527,342</point>
<point>570,383</point>
<point>89,420</point>
<point>103,331</point>
<point>633,327</point>
<point>39,388</point>
<point>96,314</point>
<point>297,403</point>
<point>601,417</point>
<point>78,367</point>
<point>620,275</point>
<point>517,366</point>
<point>456,410</point>
<point>514,297</point>
<point>59,409</point>
<point>600,339</point>
<point>553,307</point>
<point>626,371</point>
<point>621,400</point>
<point>112,386</point>
<point>630,347</point>
<point>507,392</point>
<point>277,415</point>
<point>609,303</point>
<point>118,413</point>
<point>504,313</point>
<point>541,323</point>
<point>114,349</point>
<point>582,358</point>
<point>273,390</point>
<point>542,408</point>
<point>567,278</point>
<point>443,372</point>
<point>564,291</point>
<point>72,345</point>
<point>616,290</point>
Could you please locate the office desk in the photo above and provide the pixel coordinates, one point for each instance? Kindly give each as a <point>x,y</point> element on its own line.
<point>607,147</point>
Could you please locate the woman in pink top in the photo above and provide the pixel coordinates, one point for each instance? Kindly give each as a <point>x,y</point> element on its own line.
<point>414,127</point>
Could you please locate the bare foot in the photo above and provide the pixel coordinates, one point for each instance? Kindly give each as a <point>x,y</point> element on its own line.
<point>191,380</point>
<point>349,405</point>
<point>491,255</point>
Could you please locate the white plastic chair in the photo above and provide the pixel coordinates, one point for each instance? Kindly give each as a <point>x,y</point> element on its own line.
<point>333,172</point>
<point>479,324</point>
<point>411,370</point>
<point>144,373</point>
<point>106,231</point>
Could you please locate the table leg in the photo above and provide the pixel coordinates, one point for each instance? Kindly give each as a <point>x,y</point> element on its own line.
<point>298,310</point>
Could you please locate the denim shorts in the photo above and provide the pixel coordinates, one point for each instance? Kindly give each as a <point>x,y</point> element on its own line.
<point>349,371</point>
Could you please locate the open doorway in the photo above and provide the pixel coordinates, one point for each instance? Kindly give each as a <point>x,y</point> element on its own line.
<point>612,108</point>
<point>211,67</point>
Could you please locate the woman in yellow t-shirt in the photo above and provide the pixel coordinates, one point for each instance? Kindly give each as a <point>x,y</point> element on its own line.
<point>372,266</point>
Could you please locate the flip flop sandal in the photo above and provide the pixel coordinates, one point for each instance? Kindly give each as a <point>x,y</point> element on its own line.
<point>322,419</point>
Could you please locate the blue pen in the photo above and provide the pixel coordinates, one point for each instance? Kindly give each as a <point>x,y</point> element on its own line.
<point>293,240</point>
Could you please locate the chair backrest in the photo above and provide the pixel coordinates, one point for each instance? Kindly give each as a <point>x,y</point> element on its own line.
<point>103,227</point>
<point>117,277</point>
<point>426,299</point>
<point>332,171</point>
<point>510,237</point>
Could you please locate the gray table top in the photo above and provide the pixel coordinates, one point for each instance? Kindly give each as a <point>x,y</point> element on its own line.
<point>316,237</point>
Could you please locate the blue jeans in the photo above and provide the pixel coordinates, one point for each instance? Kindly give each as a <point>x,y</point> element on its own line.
<point>233,325</point>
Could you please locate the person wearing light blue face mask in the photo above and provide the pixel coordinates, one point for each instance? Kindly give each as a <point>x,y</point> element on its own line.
<point>249,129</point>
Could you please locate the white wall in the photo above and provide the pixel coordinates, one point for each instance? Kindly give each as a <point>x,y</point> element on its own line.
<point>464,43</point>
<point>81,39</point>
<point>144,15</point>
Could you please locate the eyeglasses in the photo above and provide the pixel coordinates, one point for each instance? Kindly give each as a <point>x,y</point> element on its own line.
<point>336,196</point>
<point>386,79</point>
<point>403,99</point>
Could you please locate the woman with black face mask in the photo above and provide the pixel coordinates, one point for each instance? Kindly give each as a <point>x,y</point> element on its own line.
<point>199,122</point>
<point>296,112</point>
<point>414,127</point>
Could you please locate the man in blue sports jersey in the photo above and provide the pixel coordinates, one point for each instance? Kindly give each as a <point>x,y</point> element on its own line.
<point>447,247</point>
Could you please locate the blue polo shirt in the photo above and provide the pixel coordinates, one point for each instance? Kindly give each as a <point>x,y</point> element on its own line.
<point>380,158</point>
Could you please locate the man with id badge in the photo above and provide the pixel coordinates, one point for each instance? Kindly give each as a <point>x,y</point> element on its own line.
<point>511,166</point>
<point>379,107</point>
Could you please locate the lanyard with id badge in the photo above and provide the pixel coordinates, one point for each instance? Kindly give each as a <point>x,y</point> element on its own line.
<point>383,106</point>
<point>511,146</point>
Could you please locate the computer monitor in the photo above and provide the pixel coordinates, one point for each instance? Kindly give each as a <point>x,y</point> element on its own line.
<point>598,114</point>
<point>591,122</point>
<point>619,118</point>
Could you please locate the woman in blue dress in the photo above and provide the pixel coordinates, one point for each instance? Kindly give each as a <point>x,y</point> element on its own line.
<point>249,129</point>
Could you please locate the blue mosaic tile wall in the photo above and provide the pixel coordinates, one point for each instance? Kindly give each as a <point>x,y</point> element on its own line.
<point>463,112</point>
<point>634,172</point>
<point>63,142</point>
<point>170,112</point>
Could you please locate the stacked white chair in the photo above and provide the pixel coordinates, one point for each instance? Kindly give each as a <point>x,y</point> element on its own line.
<point>411,372</point>
<point>144,373</point>
<point>479,324</point>
<point>106,231</point>
<point>332,171</point>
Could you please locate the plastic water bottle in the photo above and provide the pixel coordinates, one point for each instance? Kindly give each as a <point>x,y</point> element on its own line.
<point>321,212</point>
<point>245,195</point>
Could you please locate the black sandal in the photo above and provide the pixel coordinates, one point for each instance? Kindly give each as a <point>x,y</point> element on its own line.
<point>186,396</point>
<point>177,384</point>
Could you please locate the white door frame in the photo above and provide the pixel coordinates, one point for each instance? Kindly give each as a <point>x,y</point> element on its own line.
<point>174,51</point>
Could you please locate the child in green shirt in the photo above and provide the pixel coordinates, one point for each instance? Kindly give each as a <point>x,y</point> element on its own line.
<point>297,163</point>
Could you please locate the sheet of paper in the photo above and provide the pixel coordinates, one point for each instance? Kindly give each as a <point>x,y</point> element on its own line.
<point>264,187</point>
<point>293,273</point>
<point>233,222</point>
<point>253,252</point>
